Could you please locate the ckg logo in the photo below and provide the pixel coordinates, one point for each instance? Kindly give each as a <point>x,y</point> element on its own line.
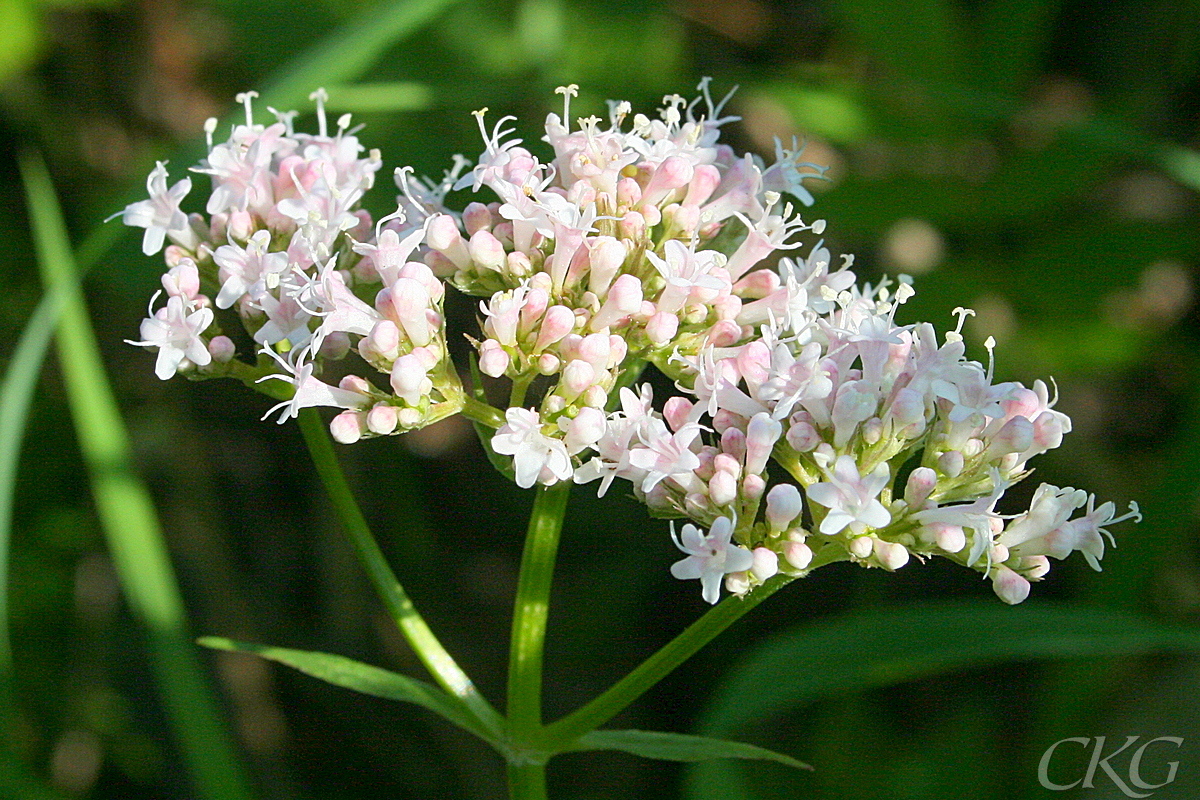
<point>1148,756</point>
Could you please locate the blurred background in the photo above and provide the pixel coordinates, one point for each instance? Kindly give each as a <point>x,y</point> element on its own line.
<point>1036,162</point>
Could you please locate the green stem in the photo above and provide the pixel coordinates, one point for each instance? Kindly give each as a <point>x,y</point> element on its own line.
<point>531,609</point>
<point>481,412</point>
<point>427,647</point>
<point>527,781</point>
<point>659,665</point>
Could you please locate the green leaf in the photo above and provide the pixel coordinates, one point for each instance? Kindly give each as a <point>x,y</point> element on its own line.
<point>363,98</point>
<point>678,747</point>
<point>886,646</point>
<point>363,678</point>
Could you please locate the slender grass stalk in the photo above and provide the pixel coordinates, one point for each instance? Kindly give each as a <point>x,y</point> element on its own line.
<point>424,643</point>
<point>659,665</point>
<point>127,514</point>
<point>527,779</point>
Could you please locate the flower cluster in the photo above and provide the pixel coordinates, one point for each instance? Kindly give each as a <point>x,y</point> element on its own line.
<point>288,252</point>
<point>640,241</point>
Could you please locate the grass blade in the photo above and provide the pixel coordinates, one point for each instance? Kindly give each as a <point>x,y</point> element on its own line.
<point>126,512</point>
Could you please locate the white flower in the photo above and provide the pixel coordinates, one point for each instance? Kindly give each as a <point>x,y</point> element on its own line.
<point>160,214</point>
<point>175,330</point>
<point>710,558</point>
<point>537,458</point>
<point>851,498</point>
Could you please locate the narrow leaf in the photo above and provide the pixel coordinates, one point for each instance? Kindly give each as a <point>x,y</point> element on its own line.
<point>359,677</point>
<point>678,747</point>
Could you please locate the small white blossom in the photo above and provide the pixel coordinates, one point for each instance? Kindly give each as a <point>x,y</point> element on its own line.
<point>852,499</point>
<point>537,458</point>
<point>710,558</point>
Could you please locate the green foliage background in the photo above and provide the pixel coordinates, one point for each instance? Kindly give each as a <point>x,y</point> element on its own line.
<point>1036,161</point>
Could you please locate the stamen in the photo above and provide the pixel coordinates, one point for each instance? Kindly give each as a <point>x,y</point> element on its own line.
<point>319,97</point>
<point>245,98</point>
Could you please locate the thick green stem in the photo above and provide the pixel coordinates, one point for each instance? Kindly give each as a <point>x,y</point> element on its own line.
<point>659,665</point>
<point>422,640</point>
<point>527,781</point>
<point>530,611</point>
<point>478,411</point>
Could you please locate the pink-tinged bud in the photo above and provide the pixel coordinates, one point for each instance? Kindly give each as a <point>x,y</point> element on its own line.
<point>410,299</point>
<point>493,360</point>
<point>629,192</point>
<point>723,462</point>
<point>486,251</point>
<point>632,226</point>
<point>408,418</point>
<point>673,173</point>
<point>676,412</point>
<point>556,324</point>
<point>355,383</point>
<point>872,430</point>
<point>548,363</point>
<point>754,363</point>
<point>553,404</point>
<point>725,419</point>
<point>568,348</point>
<point>733,442</point>
<point>728,307</point>
<point>753,486</point>
<point>737,583</point>
<point>861,547</point>
<point>536,301</point>
<point>182,280</point>
<point>585,430</point>
<point>408,379</point>
<point>428,356</point>
<point>999,554</point>
<point>706,456</point>
<point>658,497</point>
<point>651,214</point>
<point>725,333</point>
<point>335,346</point>
<point>722,488</point>
<point>705,180</point>
<point>972,447</point>
<point>222,349</point>
<point>439,264</point>
<point>1008,585</point>
<point>951,538</point>
<point>504,232</point>
<point>951,463</point>
<point>761,434</point>
<point>595,397</point>
<point>577,376</point>
<point>662,327</point>
<point>803,437</point>
<point>624,298</point>
<point>442,235</point>
<point>618,348</point>
<point>476,217</point>
<point>384,339</point>
<point>684,219</point>
<point>1015,437</point>
<point>382,419</point>
<point>766,564</point>
<point>519,264</point>
<point>1023,403</point>
<point>422,274</point>
<point>760,283</point>
<point>1048,430</point>
<point>595,349</point>
<point>907,408</point>
<point>241,225</point>
<point>347,427</point>
<point>798,554</point>
<point>1035,566</point>
<point>784,504</point>
<point>921,483</point>
<point>891,556</point>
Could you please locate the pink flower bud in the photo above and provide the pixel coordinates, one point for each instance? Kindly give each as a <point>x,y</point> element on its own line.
<point>439,264</point>
<point>632,226</point>
<point>585,430</point>
<point>442,235</point>
<point>536,301</point>
<point>803,437</point>
<point>1035,566</point>
<point>1008,585</point>
<point>662,327</point>
<point>384,339</point>
<point>921,483</point>
<point>624,298</point>
<point>347,427</point>
<point>798,554</point>
<point>725,419</point>
<point>951,538</point>
<point>872,430</point>
<point>595,397</point>
<point>476,217</point>
<point>493,360</point>
<point>891,556</point>
<point>861,547</point>
<point>753,486</point>
<point>784,504</point>
<point>554,404</point>
<point>556,324</point>
<point>1048,430</point>
<point>725,333</point>
<point>676,412</point>
<point>382,419</point>
<point>182,279</point>
<point>705,179</point>
<point>722,488</point>
<point>486,251</point>
<point>355,383</point>
<point>673,173</point>
<point>518,264</point>
<point>733,442</point>
<point>1015,437</point>
<point>222,349</point>
<point>629,192</point>
<point>408,378</point>
<point>761,434</point>
<point>951,463</point>
<point>595,349</point>
<point>757,284</point>
<point>618,348</point>
<point>766,564</point>
<point>410,299</point>
<point>577,376</point>
<point>548,363</point>
<point>999,554</point>
<point>723,462</point>
<point>335,346</point>
<point>737,583</point>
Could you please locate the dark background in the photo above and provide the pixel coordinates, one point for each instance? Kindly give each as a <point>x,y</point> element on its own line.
<point>1032,161</point>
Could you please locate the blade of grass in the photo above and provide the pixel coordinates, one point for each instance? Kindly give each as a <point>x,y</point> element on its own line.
<point>127,513</point>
